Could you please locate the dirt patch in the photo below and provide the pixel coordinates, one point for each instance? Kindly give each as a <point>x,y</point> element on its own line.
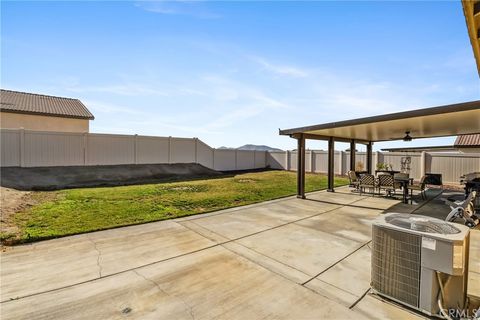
<point>12,201</point>
<point>16,202</point>
<point>54,178</point>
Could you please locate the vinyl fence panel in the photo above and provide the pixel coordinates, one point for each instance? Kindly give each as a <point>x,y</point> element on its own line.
<point>224,160</point>
<point>44,149</point>
<point>110,149</point>
<point>182,150</point>
<point>277,160</point>
<point>453,166</point>
<point>245,159</point>
<point>260,159</point>
<point>204,154</point>
<point>152,150</point>
<point>10,142</point>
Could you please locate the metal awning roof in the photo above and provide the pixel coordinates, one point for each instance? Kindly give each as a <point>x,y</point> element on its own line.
<point>449,120</point>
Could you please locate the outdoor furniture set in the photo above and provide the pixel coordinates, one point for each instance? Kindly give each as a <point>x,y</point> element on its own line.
<point>387,181</point>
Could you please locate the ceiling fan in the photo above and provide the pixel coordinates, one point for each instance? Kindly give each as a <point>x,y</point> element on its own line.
<point>407,136</point>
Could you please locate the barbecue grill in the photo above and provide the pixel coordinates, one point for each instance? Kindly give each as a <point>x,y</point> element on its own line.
<point>472,183</point>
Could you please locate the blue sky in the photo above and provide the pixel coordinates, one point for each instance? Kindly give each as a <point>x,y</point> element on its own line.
<point>232,73</point>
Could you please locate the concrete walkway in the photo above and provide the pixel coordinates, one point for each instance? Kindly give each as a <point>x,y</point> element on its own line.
<point>282,259</point>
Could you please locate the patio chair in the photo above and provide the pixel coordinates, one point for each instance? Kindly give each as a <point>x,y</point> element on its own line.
<point>387,183</point>
<point>419,187</point>
<point>464,210</point>
<point>367,181</point>
<point>354,182</point>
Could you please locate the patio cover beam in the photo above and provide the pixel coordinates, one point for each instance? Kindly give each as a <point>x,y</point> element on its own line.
<point>331,160</point>
<point>301,167</point>
<point>369,157</point>
<point>353,152</point>
<point>325,138</point>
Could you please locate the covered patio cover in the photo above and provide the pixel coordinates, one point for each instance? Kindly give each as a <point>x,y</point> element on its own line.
<point>448,120</point>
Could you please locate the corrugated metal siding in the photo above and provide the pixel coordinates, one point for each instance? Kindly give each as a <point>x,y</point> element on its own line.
<point>468,140</point>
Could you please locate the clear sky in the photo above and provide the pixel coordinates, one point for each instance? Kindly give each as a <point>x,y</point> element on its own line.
<point>232,73</point>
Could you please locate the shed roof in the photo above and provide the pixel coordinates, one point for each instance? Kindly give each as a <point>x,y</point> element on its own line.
<point>468,141</point>
<point>39,104</point>
<point>448,120</point>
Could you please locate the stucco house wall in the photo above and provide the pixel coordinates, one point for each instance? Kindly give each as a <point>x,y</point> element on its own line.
<point>42,123</point>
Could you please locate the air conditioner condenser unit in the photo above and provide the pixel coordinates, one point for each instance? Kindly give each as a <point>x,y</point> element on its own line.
<point>414,256</point>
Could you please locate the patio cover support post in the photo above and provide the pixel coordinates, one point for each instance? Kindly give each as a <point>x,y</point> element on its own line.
<point>369,157</point>
<point>352,155</point>
<point>301,167</point>
<point>331,161</point>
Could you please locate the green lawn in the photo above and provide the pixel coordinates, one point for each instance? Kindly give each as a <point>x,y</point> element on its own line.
<point>76,211</point>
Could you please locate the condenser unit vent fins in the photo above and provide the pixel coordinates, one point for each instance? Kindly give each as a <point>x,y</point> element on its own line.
<point>396,265</point>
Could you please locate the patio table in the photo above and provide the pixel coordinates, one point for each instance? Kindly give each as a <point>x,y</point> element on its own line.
<point>405,182</point>
<point>390,172</point>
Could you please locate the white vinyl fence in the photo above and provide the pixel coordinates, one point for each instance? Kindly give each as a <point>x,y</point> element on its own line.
<point>24,148</point>
<point>450,165</point>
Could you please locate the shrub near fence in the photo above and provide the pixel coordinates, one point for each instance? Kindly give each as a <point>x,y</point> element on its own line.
<point>24,148</point>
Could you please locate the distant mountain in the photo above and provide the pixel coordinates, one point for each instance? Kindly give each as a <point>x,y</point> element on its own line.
<point>258,148</point>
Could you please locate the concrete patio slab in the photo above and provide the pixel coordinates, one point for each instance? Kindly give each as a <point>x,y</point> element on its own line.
<point>310,251</point>
<point>348,222</point>
<point>57,263</point>
<point>374,307</point>
<point>331,292</point>
<point>273,265</point>
<point>255,219</point>
<point>282,259</point>
<point>474,265</point>
<point>341,196</point>
<point>48,265</point>
<point>351,274</point>
<point>189,287</point>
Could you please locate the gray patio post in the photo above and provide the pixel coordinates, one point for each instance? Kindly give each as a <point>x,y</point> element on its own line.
<point>352,155</point>
<point>331,161</point>
<point>369,157</point>
<point>301,166</point>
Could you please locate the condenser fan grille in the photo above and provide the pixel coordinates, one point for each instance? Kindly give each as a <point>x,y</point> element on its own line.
<point>396,265</point>
<point>422,224</point>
